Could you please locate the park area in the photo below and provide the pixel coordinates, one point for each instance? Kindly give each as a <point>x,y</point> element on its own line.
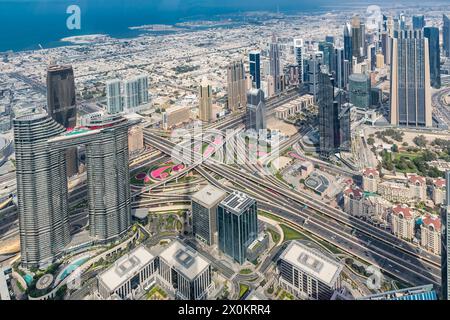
<point>156,173</point>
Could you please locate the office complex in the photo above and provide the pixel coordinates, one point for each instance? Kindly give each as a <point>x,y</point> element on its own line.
<point>114,102</point>
<point>236,86</point>
<point>418,22</point>
<point>42,194</point>
<point>185,272</point>
<point>256,110</point>
<point>255,68</point>
<point>298,52</point>
<point>205,101</point>
<point>307,273</point>
<point>313,71</point>
<point>62,106</point>
<point>359,90</point>
<point>328,59</point>
<point>432,34</point>
<point>328,115</point>
<point>135,92</point>
<point>446,35</point>
<point>348,44</point>
<point>410,80</point>
<point>129,276</point>
<point>237,225</point>
<point>358,38</point>
<point>204,212</point>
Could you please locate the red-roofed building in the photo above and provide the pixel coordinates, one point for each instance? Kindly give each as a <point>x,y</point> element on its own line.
<point>418,187</point>
<point>353,201</point>
<point>439,189</point>
<point>430,233</point>
<point>371,177</point>
<point>402,222</point>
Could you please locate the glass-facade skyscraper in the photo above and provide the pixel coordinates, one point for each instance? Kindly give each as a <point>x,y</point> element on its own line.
<point>418,22</point>
<point>359,90</point>
<point>255,68</point>
<point>256,110</point>
<point>446,35</point>
<point>237,225</point>
<point>432,34</point>
<point>410,80</point>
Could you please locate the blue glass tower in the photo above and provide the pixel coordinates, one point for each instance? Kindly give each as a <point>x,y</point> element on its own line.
<point>255,68</point>
<point>432,33</point>
<point>237,225</point>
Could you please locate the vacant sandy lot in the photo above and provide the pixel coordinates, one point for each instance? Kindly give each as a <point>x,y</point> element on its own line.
<point>285,128</point>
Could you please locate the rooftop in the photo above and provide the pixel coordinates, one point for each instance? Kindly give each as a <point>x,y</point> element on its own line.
<point>403,210</point>
<point>434,221</point>
<point>209,196</point>
<point>126,267</point>
<point>184,259</point>
<point>370,172</point>
<point>312,262</point>
<point>237,202</point>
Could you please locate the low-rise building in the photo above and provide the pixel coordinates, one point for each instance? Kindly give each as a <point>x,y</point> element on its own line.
<point>376,207</point>
<point>394,192</point>
<point>185,272</point>
<point>175,116</point>
<point>430,234</point>
<point>135,139</point>
<point>438,193</point>
<point>417,187</point>
<point>353,201</point>
<point>402,222</point>
<point>371,177</point>
<point>308,273</point>
<point>129,276</point>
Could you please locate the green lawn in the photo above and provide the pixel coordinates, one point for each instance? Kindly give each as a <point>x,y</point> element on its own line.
<point>243,288</point>
<point>269,215</point>
<point>245,271</point>
<point>291,234</point>
<point>275,235</point>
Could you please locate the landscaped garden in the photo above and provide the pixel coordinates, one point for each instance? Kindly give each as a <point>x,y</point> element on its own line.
<point>157,173</point>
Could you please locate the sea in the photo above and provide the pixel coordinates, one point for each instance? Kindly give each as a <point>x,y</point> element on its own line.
<point>32,24</point>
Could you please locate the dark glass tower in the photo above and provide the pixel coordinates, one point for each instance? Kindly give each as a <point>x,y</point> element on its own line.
<point>255,68</point>
<point>61,105</point>
<point>237,225</point>
<point>432,34</point>
<point>446,35</point>
<point>328,115</point>
<point>418,22</point>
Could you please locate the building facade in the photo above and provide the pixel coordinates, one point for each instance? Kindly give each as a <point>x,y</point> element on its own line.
<point>237,88</point>
<point>359,90</point>
<point>430,234</point>
<point>255,68</point>
<point>256,110</point>
<point>402,222</point>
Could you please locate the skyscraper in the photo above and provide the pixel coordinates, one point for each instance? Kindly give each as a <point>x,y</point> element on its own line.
<point>61,105</point>
<point>386,47</point>
<point>237,224</point>
<point>135,92</point>
<point>314,63</point>
<point>348,46</point>
<point>205,101</point>
<point>410,80</point>
<point>113,97</point>
<point>446,35</point>
<point>359,90</point>
<point>341,68</point>
<point>432,34</point>
<point>358,38</point>
<point>418,22</point>
<point>256,110</point>
<point>255,68</point>
<point>298,52</point>
<point>236,86</point>
<point>328,55</point>
<point>275,68</point>
<point>41,191</point>
<point>328,115</point>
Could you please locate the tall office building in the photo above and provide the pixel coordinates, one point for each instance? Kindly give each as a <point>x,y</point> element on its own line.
<point>358,38</point>
<point>204,212</point>
<point>432,34</point>
<point>328,55</point>
<point>256,110</point>
<point>445,238</point>
<point>255,68</point>
<point>237,88</point>
<point>359,90</point>
<point>275,68</point>
<point>328,115</point>
<point>113,97</point>
<point>410,80</point>
<point>313,67</point>
<point>418,22</point>
<point>61,105</point>
<point>345,125</point>
<point>41,191</point>
<point>342,71</point>
<point>298,52</point>
<point>348,46</point>
<point>205,101</point>
<point>446,35</point>
<point>237,225</point>
<point>135,92</point>
<point>386,47</point>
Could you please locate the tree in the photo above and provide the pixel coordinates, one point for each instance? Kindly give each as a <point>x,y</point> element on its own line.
<point>420,141</point>
<point>370,141</point>
<point>394,148</point>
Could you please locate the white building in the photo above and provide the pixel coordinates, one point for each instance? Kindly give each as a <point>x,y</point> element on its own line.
<point>114,96</point>
<point>185,272</point>
<point>129,276</point>
<point>394,192</point>
<point>353,201</point>
<point>439,190</point>
<point>371,177</point>
<point>430,234</point>
<point>418,187</point>
<point>307,273</point>
<point>402,222</point>
<point>135,92</point>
